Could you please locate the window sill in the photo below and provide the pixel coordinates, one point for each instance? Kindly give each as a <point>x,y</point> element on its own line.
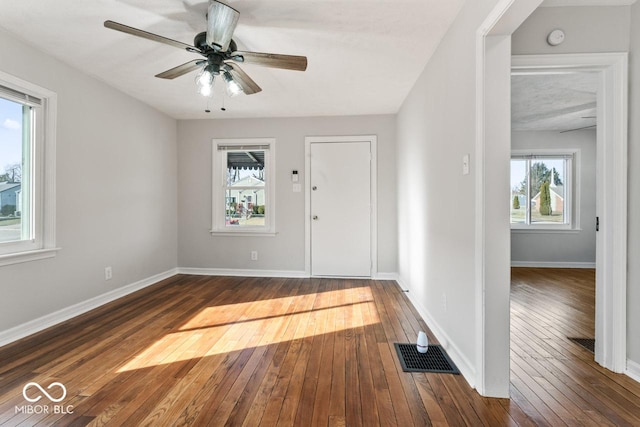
<point>16,258</point>
<point>243,233</point>
<point>543,230</point>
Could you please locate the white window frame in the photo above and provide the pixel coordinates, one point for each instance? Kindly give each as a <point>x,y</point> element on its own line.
<point>219,170</point>
<point>42,174</point>
<point>571,186</point>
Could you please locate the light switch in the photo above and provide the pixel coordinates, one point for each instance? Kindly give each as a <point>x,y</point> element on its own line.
<point>465,164</point>
<point>297,188</point>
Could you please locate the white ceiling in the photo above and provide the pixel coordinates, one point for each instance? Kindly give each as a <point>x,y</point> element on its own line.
<point>557,102</point>
<point>364,55</point>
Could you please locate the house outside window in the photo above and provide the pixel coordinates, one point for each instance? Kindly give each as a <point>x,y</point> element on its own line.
<point>543,191</point>
<point>27,171</point>
<point>243,186</point>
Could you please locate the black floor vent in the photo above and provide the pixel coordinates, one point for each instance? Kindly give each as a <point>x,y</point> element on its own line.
<point>434,360</point>
<point>588,343</point>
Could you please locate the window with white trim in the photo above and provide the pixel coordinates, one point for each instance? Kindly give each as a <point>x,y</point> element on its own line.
<point>542,190</point>
<point>243,186</point>
<point>27,171</point>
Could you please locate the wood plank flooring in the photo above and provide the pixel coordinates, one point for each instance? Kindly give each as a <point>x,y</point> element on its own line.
<point>196,350</point>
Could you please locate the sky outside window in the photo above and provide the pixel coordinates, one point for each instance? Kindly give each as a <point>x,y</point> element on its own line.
<point>10,133</point>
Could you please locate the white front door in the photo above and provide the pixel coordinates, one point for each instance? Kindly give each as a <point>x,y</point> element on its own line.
<point>340,208</point>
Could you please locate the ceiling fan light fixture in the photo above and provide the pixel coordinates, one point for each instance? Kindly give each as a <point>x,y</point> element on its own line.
<point>221,23</point>
<point>205,76</point>
<point>205,90</point>
<point>233,87</point>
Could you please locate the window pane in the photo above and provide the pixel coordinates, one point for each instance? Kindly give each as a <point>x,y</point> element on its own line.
<point>14,146</point>
<point>548,190</point>
<point>518,191</point>
<point>245,192</point>
<point>245,207</point>
<point>245,168</point>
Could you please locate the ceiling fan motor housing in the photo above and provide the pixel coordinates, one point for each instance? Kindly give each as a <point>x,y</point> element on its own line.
<point>221,22</point>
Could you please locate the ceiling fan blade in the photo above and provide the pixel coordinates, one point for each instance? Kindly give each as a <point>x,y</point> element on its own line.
<point>150,36</point>
<point>221,22</point>
<point>273,60</point>
<point>180,70</point>
<point>581,128</point>
<point>248,85</point>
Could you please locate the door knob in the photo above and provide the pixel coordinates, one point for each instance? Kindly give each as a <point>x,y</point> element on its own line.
<point>314,188</point>
<point>315,217</point>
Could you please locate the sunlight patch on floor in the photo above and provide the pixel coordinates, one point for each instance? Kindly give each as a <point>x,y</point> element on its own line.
<point>222,329</point>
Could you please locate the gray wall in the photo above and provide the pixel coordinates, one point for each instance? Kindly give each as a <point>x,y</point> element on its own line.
<point>633,294</point>
<point>602,29</point>
<point>436,127</point>
<point>579,246</point>
<point>115,192</point>
<point>284,252</point>
<point>587,29</point>
<point>436,203</point>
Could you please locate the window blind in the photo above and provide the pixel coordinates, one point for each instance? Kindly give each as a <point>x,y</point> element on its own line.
<point>16,95</point>
<point>541,156</point>
<point>232,147</point>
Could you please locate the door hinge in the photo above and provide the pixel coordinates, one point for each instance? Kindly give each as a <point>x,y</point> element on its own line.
<point>597,223</point>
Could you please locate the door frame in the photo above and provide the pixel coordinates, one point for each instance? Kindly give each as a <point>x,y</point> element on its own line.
<point>611,206</point>
<point>373,142</point>
<point>493,76</point>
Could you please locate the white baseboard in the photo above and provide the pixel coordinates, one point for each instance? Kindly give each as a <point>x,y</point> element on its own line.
<point>44,322</point>
<point>268,273</point>
<point>241,272</point>
<point>633,370</point>
<point>536,264</point>
<point>385,276</point>
<point>466,368</point>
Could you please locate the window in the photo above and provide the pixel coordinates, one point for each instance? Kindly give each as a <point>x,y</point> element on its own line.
<point>27,153</point>
<point>542,191</point>
<point>243,196</point>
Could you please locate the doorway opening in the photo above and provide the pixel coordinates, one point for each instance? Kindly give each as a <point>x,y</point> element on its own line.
<point>493,146</point>
<point>553,206</point>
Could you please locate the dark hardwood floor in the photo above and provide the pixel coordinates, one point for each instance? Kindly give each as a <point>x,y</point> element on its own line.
<point>196,350</point>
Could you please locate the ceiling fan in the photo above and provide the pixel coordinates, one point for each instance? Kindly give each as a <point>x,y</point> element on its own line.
<point>582,127</point>
<point>220,53</point>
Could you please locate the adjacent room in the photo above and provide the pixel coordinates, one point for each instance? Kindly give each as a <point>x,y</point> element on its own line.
<point>246,212</point>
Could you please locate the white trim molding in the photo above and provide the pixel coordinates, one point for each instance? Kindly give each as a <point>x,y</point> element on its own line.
<point>242,272</point>
<point>19,257</point>
<point>611,240</point>
<point>218,185</point>
<point>43,178</point>
<point>386,276</point>
<point>493,63</point>
<point>492,154</point>
<point>633,370</point>
<point>539,264</point>
<point>46,321</point>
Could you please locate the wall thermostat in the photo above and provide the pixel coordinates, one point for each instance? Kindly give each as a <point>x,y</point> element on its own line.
<point>555,37</point>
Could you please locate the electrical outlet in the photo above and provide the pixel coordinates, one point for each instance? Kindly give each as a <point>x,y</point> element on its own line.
<point>254,255</point>
<point>108,273</point>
